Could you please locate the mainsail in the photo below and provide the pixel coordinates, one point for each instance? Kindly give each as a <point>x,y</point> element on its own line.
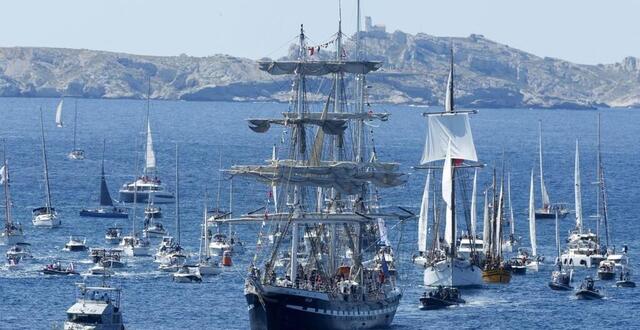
<point>578,193</point>
<point>59,113</point>
<point>532,218</point>
<point>546,203</point>
<point>150,156</point>
<point>423,220</point>
<point>105,197</point>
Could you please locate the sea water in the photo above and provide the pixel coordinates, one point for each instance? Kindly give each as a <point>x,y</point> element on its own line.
<point>215,135</point>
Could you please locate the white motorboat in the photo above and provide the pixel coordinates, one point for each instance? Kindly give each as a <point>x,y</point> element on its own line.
<point>154,230</point>
<point>13,263</point>
<point>218,244</point>
<point>45,216</point>
<point>20,251</point>
<point>135,247</point>
<point>468,247</point>
<point>100,269</point>
<point>75,154</point>
<point>112,263</point>
<point>185,275</point>
<point>173,263</point>
<point>113,235</point>
<point>76,244</point>
<point>96,308</point>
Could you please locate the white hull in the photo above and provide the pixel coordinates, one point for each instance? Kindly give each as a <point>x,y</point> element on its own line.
<point>533,266</point>
<point>206,270</point>
<point>460,274</point>
<point>572,260</point>
<point>420,261</point>
<point>46,221</point>
<point>218,249</point>
<point>136,251</point>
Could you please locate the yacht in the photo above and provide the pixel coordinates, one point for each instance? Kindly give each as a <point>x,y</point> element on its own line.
<point>56,268</point>
<point>560,278</point>
<point>76,244</point>
<point>206,264</point>
<point>106,208</point>
<point>95,308</point>
<point>101,270</point>
<point>134,246</point>
<point>185,275</point>
<point>547,210</point>
<point>219,244</point>
<point>13,263</point>
<point>75,154</point>
<point>12,231</point>
<point>113,235</point>
<point>20,250</point>
<point>45,216</point>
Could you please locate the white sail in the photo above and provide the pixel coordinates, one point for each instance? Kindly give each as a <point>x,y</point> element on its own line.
<point>382,231</point>
<point>447,194</point>
<point>486,224</point>
<point>274,187</point>
<point>499,213</point>
<point>474,215</point>
<point>423,220</point>
<point>578,193</point>
<point>59,114</point>
<point>532,218</point>
<point>150,156</point>
<point>546,202</point>
<point>448,129</point>
<point>512,221</point>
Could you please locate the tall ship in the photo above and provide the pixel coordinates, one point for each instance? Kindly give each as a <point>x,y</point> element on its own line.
<point>147,186</point>
<point>330,265</point>
<point>449,139</point>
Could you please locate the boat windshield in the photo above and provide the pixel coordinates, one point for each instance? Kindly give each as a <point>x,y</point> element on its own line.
<point>84,319</point>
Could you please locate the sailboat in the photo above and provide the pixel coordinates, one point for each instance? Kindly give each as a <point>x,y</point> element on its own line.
<point>496,270</point>
<point>560,279</point>
<point>106,209</point>
<point>583,246</point>
<point>512,240</point>
<point>323,190</point>
<point>449,137</point>
<point>148,185</point>
<point>59,113</point>
<point>206,264</point>
<point>548,210</point>
<point>75,154</point>
<point>531,260</point>
<point>45,216</point>
<point>132,245</point>
<point>423,225</point>
<point>175,258</point>
<point>12,230</point>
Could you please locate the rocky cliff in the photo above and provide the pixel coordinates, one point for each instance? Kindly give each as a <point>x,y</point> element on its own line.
<point>488,74</point>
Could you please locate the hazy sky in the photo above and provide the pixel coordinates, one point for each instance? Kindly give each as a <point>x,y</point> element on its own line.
<point>584,31</point>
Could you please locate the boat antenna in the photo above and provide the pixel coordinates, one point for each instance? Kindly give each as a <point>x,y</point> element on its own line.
<point>46,167</point>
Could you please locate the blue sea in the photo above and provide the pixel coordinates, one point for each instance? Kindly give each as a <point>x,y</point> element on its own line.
<point>214,135</point>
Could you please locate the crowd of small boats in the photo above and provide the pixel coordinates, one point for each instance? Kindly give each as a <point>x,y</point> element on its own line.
<point>323,259</point>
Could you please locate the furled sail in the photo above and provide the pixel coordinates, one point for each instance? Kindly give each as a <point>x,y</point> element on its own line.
<point>578,192</point>
<point>447,194</point>
<point>150,156</point>
<point>473,210</point>
<point>318,68</point>
<point>532,218</point>
<point>329,126</point>
<point>546,202</point>
<point>345,176</point>
<point>486,224</point>
<point>59,114</point>
<point>448,129</point>
<point>448,100</point>
<point>512,220</point>
<point>423,220</point>
<point>499,218</point>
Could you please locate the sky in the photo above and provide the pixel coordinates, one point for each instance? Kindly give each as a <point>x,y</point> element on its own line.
<point>582,31</point>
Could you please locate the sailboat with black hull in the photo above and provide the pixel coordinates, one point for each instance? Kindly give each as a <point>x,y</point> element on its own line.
<point>75,154</point>
<point>449,138</point>
<point>548,210</point>
<point>324,210</point>
<point>45,216</point>
<point>106,209</point>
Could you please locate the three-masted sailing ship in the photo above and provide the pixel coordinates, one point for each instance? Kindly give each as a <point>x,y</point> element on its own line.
<point>449,138</point>
<point>330,265</point>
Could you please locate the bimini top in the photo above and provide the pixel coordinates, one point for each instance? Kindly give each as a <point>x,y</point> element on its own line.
<point>318,68</point>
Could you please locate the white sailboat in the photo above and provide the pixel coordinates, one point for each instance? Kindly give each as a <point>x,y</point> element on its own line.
<point>132,245</point>
<point>148,186</point>
<point>532,261</point>
<point>512,240</point>
<point>449,137</point>
<point>45,216</point>
<point>423,225</point>
<point>75,154</point>
<point>473,244</point>
<point>548,210</point>
<point>59,113</point>
<point>206,264</point>
<point>12,232</point>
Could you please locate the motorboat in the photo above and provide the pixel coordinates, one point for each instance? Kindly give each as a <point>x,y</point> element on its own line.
<point>133,246</point>
<point>76,244</point>
<point>147,187</point>
<point>532,263</point>
<point>208,266</point>
<point>588,290</point>
<point>518,267</point>
<point>56,268</point>
<point>20,251</point>
<point>95,308</point>
<point>219,244</point>
<point>174,262</point>
<point>185,275</point>
<point>560,281</point>
<point>152,212</point>
<point>607,270</point>
<point>13,263</point>
<point>440,297</point>
<point>468,247</point>
<point>113,235</point>
<point>100,269</point>
<point>154,230</point>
